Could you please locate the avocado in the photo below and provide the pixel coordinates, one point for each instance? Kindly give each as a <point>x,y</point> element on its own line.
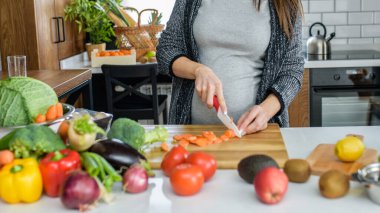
<point>249,166</point>
<point>297,170</point>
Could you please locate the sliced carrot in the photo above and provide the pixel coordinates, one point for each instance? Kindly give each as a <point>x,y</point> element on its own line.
<point>191,138</point>
<point>202,141</point>
<point>59,110</point>
<point>229,133</point>
<point>40,118</point>
<point>224,138</point>
<point>164,147</point>
<point>209,135</point>
<point>51,114</point>
<point>6,157</point>
<point>183,143</point>
<point>182,136</point>
<point>217,140</point>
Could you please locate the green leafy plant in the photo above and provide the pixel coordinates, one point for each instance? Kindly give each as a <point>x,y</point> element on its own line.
<point>153,15</point>
<point>90,20</point>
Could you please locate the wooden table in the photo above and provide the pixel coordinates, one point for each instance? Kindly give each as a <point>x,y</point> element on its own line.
<point>66,83</point>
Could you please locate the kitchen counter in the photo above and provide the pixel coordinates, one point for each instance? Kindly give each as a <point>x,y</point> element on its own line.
<point>345,62</point>
<point>227,192</point>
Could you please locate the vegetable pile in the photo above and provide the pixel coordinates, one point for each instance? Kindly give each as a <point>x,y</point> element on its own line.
<point>72,164</point>
<point>22,99</point>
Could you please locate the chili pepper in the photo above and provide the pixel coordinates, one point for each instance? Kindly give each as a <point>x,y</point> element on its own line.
<point>21,181</point>
<point>55,167</point>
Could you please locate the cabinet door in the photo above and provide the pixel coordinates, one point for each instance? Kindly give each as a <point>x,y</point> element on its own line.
<point>72,42</point>
<point>46,34</point>
<point>18,31</point>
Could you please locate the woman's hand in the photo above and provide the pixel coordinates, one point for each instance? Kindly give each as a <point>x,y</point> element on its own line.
<point>207,84</point>
<point>254,120</point>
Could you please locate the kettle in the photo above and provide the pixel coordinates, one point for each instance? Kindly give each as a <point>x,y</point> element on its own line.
<point>318,44</point>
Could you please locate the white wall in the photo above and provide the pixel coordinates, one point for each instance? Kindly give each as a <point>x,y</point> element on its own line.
<point>163,6</point>
<point>354,21</point>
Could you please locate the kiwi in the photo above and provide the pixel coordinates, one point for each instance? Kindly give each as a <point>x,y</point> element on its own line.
<point>334,184</point>
<point>297,170</point>
<point>249,166</point>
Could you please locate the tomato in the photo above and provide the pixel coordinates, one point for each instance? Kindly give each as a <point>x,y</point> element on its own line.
<point>186,179</point>
<point>174,157</point>
<point>206,162</point>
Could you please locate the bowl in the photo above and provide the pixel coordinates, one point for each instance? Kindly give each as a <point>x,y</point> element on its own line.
<point>68,110</point>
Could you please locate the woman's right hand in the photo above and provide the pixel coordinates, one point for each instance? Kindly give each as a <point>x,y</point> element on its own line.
<point>207,84</point>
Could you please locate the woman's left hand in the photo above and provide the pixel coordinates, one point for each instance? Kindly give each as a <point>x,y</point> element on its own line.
<point>254,120</point>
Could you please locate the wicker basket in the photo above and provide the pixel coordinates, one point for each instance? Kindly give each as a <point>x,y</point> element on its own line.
<point>141,37</point>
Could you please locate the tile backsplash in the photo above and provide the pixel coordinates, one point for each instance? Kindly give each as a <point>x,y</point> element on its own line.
<point>353,21</point>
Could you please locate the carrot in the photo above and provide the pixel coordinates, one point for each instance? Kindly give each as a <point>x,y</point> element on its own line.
<point>51,114</point>
<point>229,133</point>
<point>63,130</point>
<point>183,143</point>
<point>224,138</point>
<point>6,157</point>
<point>202,141</point>
<point>164,147</point>
<point>40,118</point>
<point>182,136</point>
<point>209,135</point>
<point>59,110</point>
<point>217,140</point>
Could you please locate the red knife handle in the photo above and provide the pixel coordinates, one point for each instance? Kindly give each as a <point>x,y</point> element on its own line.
<point>216,103</point>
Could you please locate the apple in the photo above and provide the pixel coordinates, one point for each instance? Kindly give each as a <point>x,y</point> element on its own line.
<point>270,185</point>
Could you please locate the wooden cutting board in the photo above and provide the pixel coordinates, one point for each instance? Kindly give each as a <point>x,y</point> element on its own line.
<point>228,154</point>
<point>323,159</point>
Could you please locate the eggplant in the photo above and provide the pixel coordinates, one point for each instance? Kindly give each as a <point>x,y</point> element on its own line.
<point>119,154</point>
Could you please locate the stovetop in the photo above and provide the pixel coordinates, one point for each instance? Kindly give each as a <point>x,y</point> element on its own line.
<point>345,55</point>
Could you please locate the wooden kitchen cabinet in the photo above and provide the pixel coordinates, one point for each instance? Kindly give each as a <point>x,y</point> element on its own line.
<point>299,108</point>
<point>31,28</point>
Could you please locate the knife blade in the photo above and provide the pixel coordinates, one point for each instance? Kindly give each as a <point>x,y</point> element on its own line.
<point>226,120</point>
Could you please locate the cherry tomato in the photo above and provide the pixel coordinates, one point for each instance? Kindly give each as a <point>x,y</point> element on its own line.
<point>186,179</point>
<point>206,162</point>
<point>174,157</point>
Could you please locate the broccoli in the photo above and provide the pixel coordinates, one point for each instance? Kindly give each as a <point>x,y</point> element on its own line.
<point>32,141</point>
<point>132,133</point>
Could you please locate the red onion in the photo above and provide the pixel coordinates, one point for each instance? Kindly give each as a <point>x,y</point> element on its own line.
<point>79,191</point>
<point>135,179</point>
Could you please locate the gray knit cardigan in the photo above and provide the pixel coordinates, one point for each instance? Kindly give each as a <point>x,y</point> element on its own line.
<point>283,63</point>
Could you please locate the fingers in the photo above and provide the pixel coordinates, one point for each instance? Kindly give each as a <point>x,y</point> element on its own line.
<point>253,120</point>
<point>219,94</point>
<point>260,123</point>
<point>248,118</point>
<point>210,95</point>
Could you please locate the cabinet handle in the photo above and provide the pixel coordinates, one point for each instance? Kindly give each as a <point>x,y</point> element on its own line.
<point>58,30</point>
<point>63,29</point>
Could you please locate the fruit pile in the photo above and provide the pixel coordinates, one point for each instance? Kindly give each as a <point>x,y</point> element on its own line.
<point>114,53</point>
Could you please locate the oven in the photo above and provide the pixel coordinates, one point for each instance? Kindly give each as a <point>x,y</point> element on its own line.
<point>345,96</point>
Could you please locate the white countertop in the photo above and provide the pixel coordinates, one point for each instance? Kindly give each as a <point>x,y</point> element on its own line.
<point>81,61</point>
<point>227,192</point>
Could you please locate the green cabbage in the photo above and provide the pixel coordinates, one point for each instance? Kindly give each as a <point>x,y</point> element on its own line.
<point>22,99</point>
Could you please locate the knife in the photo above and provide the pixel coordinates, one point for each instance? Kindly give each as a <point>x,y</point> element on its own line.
<point>226,120</point>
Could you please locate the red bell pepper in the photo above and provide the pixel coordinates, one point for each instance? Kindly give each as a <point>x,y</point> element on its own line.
<point>55,167</point>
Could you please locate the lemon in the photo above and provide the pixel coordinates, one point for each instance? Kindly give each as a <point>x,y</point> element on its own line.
<point>349,149</point>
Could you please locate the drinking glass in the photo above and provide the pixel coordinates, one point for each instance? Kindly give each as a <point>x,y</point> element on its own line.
<point>16,65</point>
